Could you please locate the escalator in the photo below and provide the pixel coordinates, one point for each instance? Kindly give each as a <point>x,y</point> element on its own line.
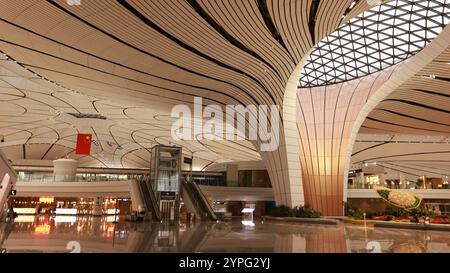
<point>150,200</point>
<point>199,200</point>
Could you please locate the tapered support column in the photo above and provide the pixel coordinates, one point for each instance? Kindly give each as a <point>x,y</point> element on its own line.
<point>326,117</point>
<point>65,169</point>
<point>283,165</point>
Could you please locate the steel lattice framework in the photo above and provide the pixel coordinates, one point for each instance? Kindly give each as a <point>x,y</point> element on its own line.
<point>375,40</point>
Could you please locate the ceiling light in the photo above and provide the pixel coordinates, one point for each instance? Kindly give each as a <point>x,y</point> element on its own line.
<point>352,5</point>
<point>88,116</point>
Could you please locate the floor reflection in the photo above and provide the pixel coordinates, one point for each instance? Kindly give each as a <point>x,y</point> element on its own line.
<point>43,234</point>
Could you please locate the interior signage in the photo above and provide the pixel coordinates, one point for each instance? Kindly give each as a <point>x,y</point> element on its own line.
<point>46,200</point>
<point>167,195</point>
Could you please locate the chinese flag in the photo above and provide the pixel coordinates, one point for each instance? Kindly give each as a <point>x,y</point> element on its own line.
<point>84,144</point>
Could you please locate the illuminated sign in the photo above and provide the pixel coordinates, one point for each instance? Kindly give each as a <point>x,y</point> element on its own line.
<point>66,211</point>
<point>47,200</point>
<point>25,219</point>
<point>25,210</point>
<point>110,219</point>
<point>44,229</point>
<point>112,211</point>
<point>65,219</point>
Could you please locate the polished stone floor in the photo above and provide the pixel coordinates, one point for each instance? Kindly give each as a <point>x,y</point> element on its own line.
<point>85,234</point>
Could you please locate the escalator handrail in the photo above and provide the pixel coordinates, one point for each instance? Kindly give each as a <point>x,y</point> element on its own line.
<point>149,197</point>
<point>195,201</point>
<point>205,202</point>
<point>143,193</point>
<point>153,200</point>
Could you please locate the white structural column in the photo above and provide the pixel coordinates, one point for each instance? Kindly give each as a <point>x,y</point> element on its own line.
<point>329,119</point>
<point>325,119</point>
<point>283,165</point>
<point>65,169</point>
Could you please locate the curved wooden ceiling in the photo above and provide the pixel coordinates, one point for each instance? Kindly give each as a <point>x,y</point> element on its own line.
<point>420,106</point>
<point>153,55</point>
<point>156,54</point>
<point>412,155</point>
<point>239,52</point>
<point>37,123</point>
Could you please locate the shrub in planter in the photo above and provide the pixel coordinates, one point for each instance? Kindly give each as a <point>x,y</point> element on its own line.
<point>397,212</point>
<point>303,212</point>
<point>310,213</point>
<point>281,211</point>
<point>300,212</point>
<point>353,212</point>
<point>369,215</point>
<point>358,215</point>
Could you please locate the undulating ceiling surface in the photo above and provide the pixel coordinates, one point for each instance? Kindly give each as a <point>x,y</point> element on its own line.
<point>156,54</point>
<point>40,121</point>
<point>421,106</point>
<point>412,155</point>
<point>383,37</point>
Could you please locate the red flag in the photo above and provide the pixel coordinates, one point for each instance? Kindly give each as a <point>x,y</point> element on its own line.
<point>84,144</point>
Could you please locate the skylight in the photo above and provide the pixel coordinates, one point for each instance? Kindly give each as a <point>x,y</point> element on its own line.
<point>375,40</point>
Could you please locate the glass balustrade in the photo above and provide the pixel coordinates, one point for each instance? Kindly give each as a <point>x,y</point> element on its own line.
<point>46,177</point>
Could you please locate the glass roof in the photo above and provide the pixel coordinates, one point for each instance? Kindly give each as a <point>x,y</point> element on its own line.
<point>374,40</point>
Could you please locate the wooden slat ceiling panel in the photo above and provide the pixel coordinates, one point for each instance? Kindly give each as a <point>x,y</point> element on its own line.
<point>421,103</point>
<point>156,54</point>
<point>416,158</point>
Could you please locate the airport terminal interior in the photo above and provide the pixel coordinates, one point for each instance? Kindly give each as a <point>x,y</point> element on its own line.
<point>225,126</point>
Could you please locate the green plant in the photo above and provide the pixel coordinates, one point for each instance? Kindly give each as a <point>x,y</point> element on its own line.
<point>421,212</point>
<point>300,212</point>
<point>303,212</point>
<point>384,194</point>
<point>369,215</point>
<point>396,212</point>
<point>358,215</point>
<point>352,211</point>
<point>281,211</point>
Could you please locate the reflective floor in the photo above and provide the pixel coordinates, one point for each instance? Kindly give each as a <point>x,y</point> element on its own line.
<point>86,234</point>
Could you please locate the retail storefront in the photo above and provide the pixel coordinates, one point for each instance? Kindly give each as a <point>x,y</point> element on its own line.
<point>68,206</point>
